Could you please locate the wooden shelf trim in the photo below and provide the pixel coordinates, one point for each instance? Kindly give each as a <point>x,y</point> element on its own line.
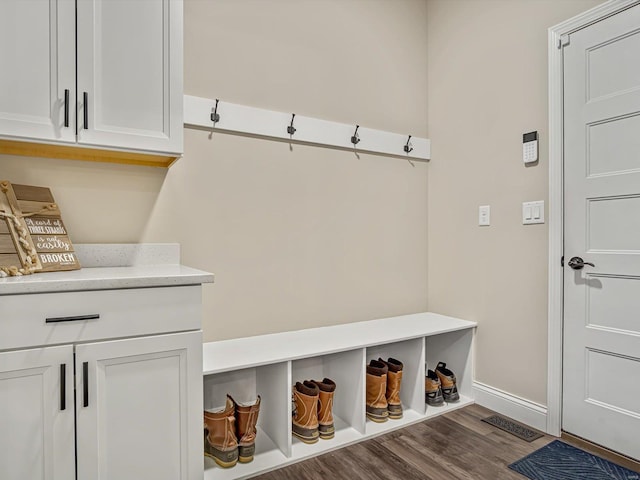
<point>76,152</point>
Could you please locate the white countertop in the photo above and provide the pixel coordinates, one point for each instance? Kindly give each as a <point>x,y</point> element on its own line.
<point>112,266</point>
<point>104,278</point>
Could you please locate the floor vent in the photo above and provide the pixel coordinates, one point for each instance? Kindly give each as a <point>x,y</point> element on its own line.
<point>514,428</point>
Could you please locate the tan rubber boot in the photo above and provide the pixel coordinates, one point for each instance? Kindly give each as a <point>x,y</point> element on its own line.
<point>246,420</point>
<point>394,381</point>
<point>327,389</point>
<point>221,443</point>
<point>305,414</point>
<point>376,391</point>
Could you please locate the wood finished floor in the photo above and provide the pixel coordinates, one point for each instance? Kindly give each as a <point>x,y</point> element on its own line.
<point>455,446</point>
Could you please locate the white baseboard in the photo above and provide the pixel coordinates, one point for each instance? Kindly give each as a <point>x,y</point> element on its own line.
<point>509,405</point>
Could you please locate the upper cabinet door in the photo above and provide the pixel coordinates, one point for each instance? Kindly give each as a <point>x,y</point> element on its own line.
<point>130,90</point>
<point>37,58</point>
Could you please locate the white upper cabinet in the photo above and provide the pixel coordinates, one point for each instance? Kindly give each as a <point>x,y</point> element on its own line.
<point>130,74</point>
<point>119,60</point>
<point>37,60</point>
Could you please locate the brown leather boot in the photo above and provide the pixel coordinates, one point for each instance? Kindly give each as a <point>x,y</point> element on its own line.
<point>376,391</point>
<point>326,388</point>
<point>305,415</point>
<point>394,380</point>
<point>221,443</point>
<point>246,420</point>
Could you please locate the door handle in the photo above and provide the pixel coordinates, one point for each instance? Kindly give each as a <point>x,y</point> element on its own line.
<point>578,263</point>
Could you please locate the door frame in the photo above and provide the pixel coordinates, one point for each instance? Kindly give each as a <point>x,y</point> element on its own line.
<point>557,37</point>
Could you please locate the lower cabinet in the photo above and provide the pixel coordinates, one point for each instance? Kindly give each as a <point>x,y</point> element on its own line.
<point>133,402</point>
<point>37,414</point>
<point>133,399</point>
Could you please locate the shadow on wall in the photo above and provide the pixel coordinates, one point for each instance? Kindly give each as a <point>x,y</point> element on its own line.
<point>100,202</point>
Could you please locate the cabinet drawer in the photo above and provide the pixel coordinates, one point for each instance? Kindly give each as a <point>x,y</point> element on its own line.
<point>53,318</point>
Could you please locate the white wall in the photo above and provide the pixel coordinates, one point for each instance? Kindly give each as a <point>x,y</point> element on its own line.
<point>312,236</point>
<point>487,86</point>
<point>297,237</point>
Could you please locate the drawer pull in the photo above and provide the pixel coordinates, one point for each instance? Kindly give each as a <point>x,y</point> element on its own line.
<point>63,384</point>
<point>93,316</point>
<point>85,384</point>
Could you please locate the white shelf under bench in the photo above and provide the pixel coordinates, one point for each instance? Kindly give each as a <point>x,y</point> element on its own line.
<point>269,365</point>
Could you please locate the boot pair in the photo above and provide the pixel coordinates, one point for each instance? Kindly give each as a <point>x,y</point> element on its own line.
<point>440,386</point>
<point>383,389</point>
<point>313,410</point>
<point>230,433</point>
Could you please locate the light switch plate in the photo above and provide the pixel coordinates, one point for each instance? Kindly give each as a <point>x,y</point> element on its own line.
<point>533,212</point>
<point>484,215</point>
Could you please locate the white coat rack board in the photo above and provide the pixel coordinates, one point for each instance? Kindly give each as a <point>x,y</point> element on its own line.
<point>232,118</point>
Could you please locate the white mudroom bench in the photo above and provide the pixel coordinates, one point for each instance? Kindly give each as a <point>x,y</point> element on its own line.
<point>268,365</point>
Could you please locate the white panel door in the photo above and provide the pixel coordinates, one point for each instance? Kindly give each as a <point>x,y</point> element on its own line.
<point>37,60</point>
<point>601,372</point>
<point>36,414</point>
<point>139,408</point>
<point>130,74</point>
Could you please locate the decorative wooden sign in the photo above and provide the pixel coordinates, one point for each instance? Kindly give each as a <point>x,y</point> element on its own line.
<point>48,233</point>
<point>35,217</point>
<point>18,255</point>
<point>8,254</point>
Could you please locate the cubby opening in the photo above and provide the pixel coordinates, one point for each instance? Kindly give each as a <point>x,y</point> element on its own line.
<point>411,354</point>
<point>454,349</point>
<point>273,430</point>
<point>346,370</point>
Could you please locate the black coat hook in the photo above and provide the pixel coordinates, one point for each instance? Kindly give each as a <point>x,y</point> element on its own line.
<point>291,129</point>
<point>215,117</point>
<point>408,147</point>
<point>355,139</point>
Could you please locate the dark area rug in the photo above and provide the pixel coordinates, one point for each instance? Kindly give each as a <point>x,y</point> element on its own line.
<point>560,461</point>
<point>514,428</point>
